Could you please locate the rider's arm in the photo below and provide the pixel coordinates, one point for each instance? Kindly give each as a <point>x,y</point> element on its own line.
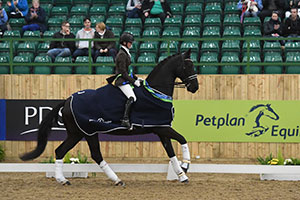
<point>122,68</point>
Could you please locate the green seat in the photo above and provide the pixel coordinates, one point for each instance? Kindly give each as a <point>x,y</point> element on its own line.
<point>27,47</point>
<point>42,69</point>
<point>20,69</point>
<point>175,21</point>
<point>177,8</point>
<point>98,9</point>
<point>82,2</point>
<point>232,31</point>
<point>192,8</point>
<point>161,58</point>
<point>271,57</point>
<point>252,32</point>
<point>116,31</point>
<point>213,9</point>
<point>152,22</point>
<point>194,46</point>
<point>47,8</point>
<point>272,46</point>
<point>231,46</point>
<point>293,57</point>
<point>209,57</point>
<point>133,22</point>
<point>191,32</point>
<point>210,46</point>
<point>171,32</point>
<point>211,31</point>
<point>114,22</point>
<point>76,21</point>
<point>67,69</point>
<point>135,31</point>
<point>97,19</point>
<point>100,2</point>
<point>194,58</point>
<point>17,23</point>
<point>292,46</point>
<point>176,1</point>
<point>84,68</point>
<point>28,54</point>
<point>4,69</point>
<point>254,45</point>
<point>48,34</point>
<point>231,21</point>
<point>55,22</point>
<point>153,32</point>
<point>212,20</point>
<point>134,47</point>
<point>145,59</point>
<point>254,57</point>
<point>251,21</point>
<point>192,20</point>
<point>32,34</point>
<point>231,9</point>
<point>149,47</point>
<point>230,58</point>
<point>104,69</point>
<point>117,10</point>
<point>173,46</point>
<point>59,10</point>
<point>79,10</point>
<point>12,34</point>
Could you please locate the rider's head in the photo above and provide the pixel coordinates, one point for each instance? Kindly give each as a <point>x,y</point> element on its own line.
<point>126,39</point>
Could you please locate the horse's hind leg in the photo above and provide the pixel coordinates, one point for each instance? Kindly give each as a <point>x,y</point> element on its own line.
<point>166,142</point>
<point>94,146</point>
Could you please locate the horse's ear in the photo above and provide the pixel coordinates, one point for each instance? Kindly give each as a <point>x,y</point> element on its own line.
<point>187,54</point>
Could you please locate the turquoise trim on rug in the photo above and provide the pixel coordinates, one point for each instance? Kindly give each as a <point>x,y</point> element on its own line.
<point>158,95</point>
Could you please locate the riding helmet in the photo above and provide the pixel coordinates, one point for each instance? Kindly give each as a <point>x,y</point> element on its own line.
<point>126,37</point>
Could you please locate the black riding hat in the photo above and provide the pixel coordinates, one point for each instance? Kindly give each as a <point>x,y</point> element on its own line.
<point>126,37</point>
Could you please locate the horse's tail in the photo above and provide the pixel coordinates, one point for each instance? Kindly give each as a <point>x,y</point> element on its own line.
<point>43,132</point>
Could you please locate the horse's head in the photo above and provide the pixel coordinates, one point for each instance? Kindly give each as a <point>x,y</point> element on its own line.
<point>269,112</point>
<point>187,73</point>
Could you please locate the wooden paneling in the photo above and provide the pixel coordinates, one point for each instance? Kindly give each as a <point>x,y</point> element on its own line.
<point>211,87</point>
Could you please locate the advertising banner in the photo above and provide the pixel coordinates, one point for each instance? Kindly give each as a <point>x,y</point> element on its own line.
<point>238,121</point>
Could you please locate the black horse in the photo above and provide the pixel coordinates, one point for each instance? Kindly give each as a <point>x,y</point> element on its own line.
<point>162,81</point>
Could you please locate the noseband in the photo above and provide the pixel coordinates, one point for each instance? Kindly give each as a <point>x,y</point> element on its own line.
<point>187,80</point>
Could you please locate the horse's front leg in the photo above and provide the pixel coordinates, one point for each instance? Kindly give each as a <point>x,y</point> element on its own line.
<point>166,142</point>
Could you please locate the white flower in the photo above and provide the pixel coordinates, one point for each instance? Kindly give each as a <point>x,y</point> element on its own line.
<point>74,160</point>
<point>288,162</point>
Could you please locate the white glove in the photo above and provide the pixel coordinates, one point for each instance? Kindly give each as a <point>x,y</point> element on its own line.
<point>140,79</point>
<point>137,83</point>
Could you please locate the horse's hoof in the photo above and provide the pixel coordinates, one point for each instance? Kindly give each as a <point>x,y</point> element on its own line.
<point>185,181</point>
<point>120,183</point>
<point>66,182</point>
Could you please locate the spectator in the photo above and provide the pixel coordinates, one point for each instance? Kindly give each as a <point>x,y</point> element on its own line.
<point>273,5</point>
<point>273,27</point>
<point>292,24</point>
<point>62,48</point>
<point>293,4</point>
<point>156,8</point>
<point>3,19</point>
<point>104,48</point>
<point>85,33</point>
<point>249,8</point>
<point>134,9</point>
<point>17,8</point>
<point>35,18</point>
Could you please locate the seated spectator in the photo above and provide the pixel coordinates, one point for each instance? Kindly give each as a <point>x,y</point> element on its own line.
<point>292,24</point>
<point>85,33</point>
<point>104,48</point>
<point>62,48</point>
<point>17,8</point>
<point>134,9</point>
<point>35,18</point>
<point>156,8</point>
<point>273,27</point>
<point>3,19</point>
<point>249,8</point>
<point>293,4</point>
<point>273,5</point>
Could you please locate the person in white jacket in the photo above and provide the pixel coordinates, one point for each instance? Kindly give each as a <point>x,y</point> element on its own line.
<point>134,8</point>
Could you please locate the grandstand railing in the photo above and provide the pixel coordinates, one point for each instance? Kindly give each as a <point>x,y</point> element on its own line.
<point>169,40</point>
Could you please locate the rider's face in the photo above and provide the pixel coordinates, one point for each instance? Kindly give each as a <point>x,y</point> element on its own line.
<point>129,45</point>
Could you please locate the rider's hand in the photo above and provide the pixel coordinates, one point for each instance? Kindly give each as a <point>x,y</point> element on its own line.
<point>140,79</point>
<point>137,83</point>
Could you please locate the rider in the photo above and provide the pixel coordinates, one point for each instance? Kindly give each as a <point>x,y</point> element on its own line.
<point>122,79</point>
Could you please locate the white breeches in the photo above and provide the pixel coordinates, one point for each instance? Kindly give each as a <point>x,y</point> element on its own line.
<point>128,91</point>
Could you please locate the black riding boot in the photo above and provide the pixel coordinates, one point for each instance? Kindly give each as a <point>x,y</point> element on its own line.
<point>125,121</point>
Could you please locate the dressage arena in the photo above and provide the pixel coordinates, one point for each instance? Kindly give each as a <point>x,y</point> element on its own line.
<point>26,185</point>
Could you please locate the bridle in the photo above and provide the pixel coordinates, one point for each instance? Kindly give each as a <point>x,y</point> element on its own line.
<point>188,79</point>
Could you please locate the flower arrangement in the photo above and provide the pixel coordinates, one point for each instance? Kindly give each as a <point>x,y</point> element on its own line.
<point>270,160</point>
<point>70,159</point>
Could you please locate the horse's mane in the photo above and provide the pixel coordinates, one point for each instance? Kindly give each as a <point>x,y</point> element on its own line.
<point>257,106</point>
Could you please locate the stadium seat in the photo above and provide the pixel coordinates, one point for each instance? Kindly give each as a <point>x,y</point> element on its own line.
<point>104,69</point>
<point>135,31</point>
<point>213,9</point>
<point>114,22</point>
<point>4,69</point>
<point>76,21</point>
<point>254,57</point>
<point>63,69</point>
<point>97,19</point>
<point>117,31</point>
<point>230,57</point>
<point>194,46</point>
<point>251,31</point>
<point>151,32</point>
<point>161,58</point>
<point>211,31</point>
<point>209,58</point>
<point>42,69</point>
<point>54,23</point>
<point>133,22</point>
<point>212,20</point>
<point>27,54</point>
<point>270,57</point>
<point>27,47</point>
<point>253,45</point>
<point>192,20</point>
<point>145,59</point>
<point>32,34</point>
<point>191,32</point>
<point>292,46</point>
<point>231,9</point>
<point>252,21</point>
<point>171,32</point>
<point>232,31</point>
<point>82,2</point>
<point>152,22</point>
<point>210,46</point>
<point>48,34</point>
<point>47,7</point>
<point>293,57</point>
<point>17,23</point>
<point>84,68</point>
<point>116,10</point>
<point>231,46</point>
<point>12,34</point>
<point>79,10</point>
<point>175,21</point>
<point>177,8</point>
<point>193,8</point>
<point>149,47</point>
<point>97,10</point>
<point>231,20</point>
<point>43,47</point>
<point>59,10</point>
<point>173,47</point>
<point>100,2</point>
<point>272,46</point>
<point>20,69</point>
